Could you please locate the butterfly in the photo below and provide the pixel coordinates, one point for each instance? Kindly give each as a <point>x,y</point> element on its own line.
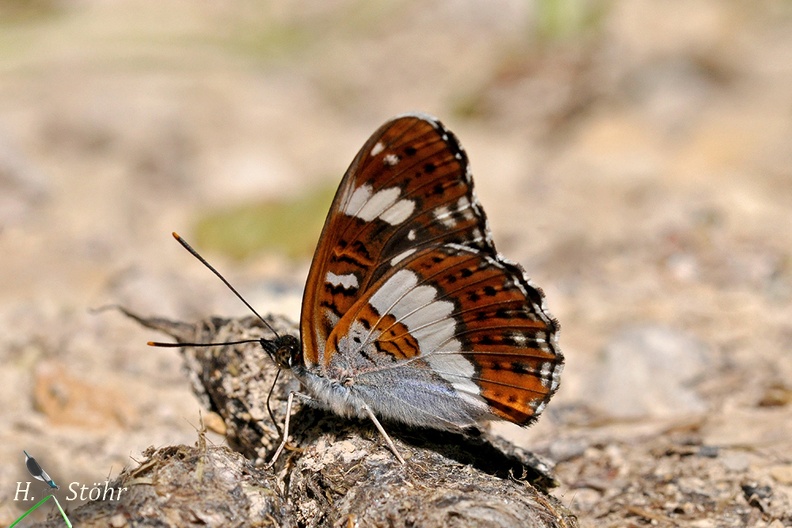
<point>409,313</point>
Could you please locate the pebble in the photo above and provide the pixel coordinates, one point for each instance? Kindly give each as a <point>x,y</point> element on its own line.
<point>735,461</point>
<point>782,474</point>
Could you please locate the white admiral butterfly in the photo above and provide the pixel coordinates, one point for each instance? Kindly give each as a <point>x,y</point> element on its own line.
<point>409,313</point>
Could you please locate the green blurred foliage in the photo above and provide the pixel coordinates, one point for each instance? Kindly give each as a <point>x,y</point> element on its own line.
<point>564,19</point>
<point>288,227</point>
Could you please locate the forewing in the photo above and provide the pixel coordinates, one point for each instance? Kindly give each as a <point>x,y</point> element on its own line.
<point>408,189</point>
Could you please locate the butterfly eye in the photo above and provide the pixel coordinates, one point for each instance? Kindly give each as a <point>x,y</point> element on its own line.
<point>287,351</point>
<point>284,350</point>
<point>284,356</point>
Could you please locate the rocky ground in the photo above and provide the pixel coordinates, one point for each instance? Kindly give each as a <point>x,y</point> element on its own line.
<point>634,156</point>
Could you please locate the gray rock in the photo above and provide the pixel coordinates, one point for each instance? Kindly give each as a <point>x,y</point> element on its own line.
<point>650,371</point>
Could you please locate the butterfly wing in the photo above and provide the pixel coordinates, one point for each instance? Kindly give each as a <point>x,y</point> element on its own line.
<point>450,336</point>
<point>407,299</point>
<point>407,189</point>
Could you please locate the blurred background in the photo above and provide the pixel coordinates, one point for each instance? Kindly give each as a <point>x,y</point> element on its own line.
<point>633,156</point>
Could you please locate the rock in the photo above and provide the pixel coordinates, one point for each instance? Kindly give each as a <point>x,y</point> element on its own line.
<point>66,399</point>
<point>649,371</point>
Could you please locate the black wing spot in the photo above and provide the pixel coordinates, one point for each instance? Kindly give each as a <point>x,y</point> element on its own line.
<point>520,368</point>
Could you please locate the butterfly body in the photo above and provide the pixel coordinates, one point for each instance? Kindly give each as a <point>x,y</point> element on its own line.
<point>409,312</point>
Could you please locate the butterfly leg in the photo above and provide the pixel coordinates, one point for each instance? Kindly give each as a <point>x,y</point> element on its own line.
<point>384,434</point>
<point>285,438</point>
<point>289,403</point>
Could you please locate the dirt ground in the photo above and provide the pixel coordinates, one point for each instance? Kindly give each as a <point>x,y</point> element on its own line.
<point>634,156</point>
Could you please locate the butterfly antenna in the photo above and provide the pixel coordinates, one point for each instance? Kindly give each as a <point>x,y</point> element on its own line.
<point>161,344</point>
<point>203,261</point>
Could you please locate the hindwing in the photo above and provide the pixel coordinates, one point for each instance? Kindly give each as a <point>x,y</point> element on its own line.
<point>469,320</point>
